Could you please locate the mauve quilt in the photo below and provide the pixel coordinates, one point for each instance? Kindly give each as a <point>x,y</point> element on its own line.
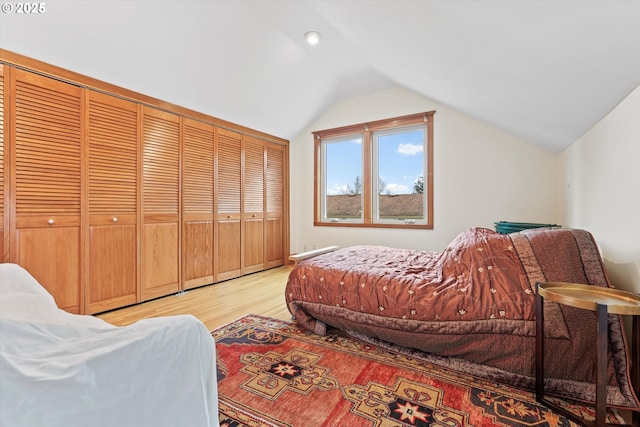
<point>473,303</point>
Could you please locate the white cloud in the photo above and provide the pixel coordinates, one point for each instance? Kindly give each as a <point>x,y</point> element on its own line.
<point>410,149</point>
<point>337,189</point>
<point>394,188</point>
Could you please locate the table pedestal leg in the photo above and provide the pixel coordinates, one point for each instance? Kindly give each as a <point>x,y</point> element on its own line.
<point>601,365</point>
<point>635,363</point>
<point>539,348</point>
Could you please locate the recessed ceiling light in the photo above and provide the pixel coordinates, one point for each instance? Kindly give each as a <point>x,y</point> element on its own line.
<point>312,37</point>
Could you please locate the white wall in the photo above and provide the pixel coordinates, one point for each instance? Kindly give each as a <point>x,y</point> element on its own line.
<point>601,186</point>
<point>481,175</point>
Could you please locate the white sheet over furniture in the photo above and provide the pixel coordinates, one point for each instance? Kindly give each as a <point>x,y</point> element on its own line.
<point>61,369</point>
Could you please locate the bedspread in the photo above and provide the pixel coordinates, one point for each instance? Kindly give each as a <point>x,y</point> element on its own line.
<point>473,303</point>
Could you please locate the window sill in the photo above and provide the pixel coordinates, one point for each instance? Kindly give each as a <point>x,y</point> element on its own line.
<point>373,225</point>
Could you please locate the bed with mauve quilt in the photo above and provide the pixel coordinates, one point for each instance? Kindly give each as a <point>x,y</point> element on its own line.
<point>470,307</point>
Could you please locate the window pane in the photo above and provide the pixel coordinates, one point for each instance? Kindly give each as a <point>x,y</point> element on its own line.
<point>343,178</point>
<point>400,166</point>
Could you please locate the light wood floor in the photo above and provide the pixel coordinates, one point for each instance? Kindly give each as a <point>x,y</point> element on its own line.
<point>218,304</point>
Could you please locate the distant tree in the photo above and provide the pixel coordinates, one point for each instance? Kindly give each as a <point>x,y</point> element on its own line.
<point>382,186</point>
<point>356,189</point>
<point>418,186</point>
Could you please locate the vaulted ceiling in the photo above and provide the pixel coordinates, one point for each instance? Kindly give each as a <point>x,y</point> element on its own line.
<point>545,71</point>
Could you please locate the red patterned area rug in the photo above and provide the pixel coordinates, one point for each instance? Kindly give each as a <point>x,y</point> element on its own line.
<point>272,373</point>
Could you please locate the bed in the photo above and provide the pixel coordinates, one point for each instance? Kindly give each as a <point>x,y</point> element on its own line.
<point>59,369</point>
<point>470,307</point>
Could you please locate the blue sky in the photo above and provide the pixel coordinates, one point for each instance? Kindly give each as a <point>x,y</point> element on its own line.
<point>401,162</point>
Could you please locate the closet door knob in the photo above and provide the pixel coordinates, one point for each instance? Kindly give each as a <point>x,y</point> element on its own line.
<point>50,222</point>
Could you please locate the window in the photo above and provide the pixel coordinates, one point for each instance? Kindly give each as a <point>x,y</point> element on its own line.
<point>342,183</point>
<point>377,174</point>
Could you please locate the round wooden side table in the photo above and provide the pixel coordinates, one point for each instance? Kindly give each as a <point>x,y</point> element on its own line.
<point>603,301</point>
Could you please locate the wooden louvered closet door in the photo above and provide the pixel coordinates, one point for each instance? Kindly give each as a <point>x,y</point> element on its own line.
<point>253,187</point>
<point>275,197</point>
<point>161,204</point>
<point>112,186</point>
<point>46,165</point>
<point>197,203</point>
<point>228,198</point>
<point>4,182</point>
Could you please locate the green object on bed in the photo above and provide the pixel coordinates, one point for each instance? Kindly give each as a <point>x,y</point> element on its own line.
<point>506,227</point>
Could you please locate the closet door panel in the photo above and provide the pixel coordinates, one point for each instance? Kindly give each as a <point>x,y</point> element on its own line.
<point>46,165</point>
<point>274,242</point>
<point>253,245</point>
<point>198,203</point>
<point>113,187</point>
<point>159,270</point>
<point>161,204</point>
<point>229,249</point>
<point>111,247</point>
<point>228,197</point>
<point>253,188</point>
<point>275,201</point>
<point>52,256</point>
<point>197,252</point>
